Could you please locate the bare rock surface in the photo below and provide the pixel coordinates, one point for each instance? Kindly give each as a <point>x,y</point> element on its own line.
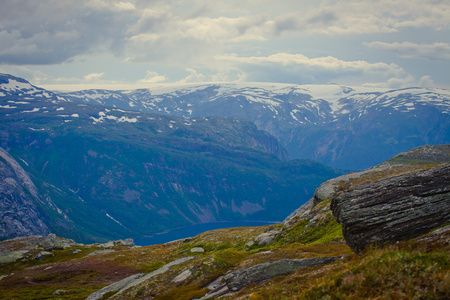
<point>237,280</point>
<point>114,287</point>
<point>394,209</point>
<point>19,198</point>
<point>268,237</point>
<point>134,280</point>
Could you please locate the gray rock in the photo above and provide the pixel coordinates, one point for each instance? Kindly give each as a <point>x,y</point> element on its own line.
<point>114,287</point>
<point>43,255</point>
<point>133,280</point>
<point>182,276</point>
<point>267,237</point>
<point>127,242</point>
<point>9,257</point>
<point>197,250</point>
<point>237,280</point>
<point>103,251</point>
<point>326,191</point>
<point>394,209</point>
<point>61,292</point>
<point>249,244</point>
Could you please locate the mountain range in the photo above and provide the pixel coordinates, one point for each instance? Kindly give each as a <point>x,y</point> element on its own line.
<point>350,128</point>
<point>95,173</point>
<point>382,233</point>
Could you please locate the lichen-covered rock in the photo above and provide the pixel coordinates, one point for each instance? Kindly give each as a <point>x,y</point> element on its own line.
<point>238,279</point>
<point>197,250</point>
<point>114,287</point>
<point>182,276</point>
<point>8,257</point>
<point>268,237</point>
<point>394,209</point>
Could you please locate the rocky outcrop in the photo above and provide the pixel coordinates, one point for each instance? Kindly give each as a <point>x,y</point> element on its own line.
<point>394,209</point>
<point>19,213</point>
<point>426,153</point>
<point>264,238</point>
<point>134,280</point>
<point>117,286</point>
<point>237,280</point>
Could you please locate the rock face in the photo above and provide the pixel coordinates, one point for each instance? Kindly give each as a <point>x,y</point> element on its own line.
<point>238,279</point>
<point>136,279</point>
<point>19,214</point>
<point>394,209</point>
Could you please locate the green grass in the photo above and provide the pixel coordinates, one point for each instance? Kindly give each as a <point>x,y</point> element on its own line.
<point>407,270</point>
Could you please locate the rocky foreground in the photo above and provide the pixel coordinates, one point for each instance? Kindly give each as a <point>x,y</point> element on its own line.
<point>382,233</point>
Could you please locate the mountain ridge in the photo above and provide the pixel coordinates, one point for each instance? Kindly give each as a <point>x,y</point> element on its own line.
<point>116,173</point>
<point>321,122</point>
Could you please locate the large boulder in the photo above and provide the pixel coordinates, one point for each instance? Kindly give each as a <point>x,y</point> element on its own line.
<point>394,209</point>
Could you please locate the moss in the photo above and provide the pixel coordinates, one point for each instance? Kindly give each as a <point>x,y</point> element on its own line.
<point>152,267</point>
<point>228,258</point>
<point>408,270</point>
<point>388,274</point>
<point>325,231</point>
<point>183,293</point>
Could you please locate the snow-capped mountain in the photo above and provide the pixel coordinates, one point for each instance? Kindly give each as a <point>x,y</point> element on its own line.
<point>346,127</point>
<point>101,172</point>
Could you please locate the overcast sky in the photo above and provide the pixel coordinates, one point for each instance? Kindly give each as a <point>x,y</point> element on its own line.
<point>76,44</point>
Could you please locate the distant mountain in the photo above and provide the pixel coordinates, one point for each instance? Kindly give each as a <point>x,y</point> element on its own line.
<point>345,127</point>
<point>405,235</point>
<point>105,173</point>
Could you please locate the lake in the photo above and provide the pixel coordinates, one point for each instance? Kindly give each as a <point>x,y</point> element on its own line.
<point>193,230</point>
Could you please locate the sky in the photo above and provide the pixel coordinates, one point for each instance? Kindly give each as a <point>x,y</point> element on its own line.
<point>125,44</point>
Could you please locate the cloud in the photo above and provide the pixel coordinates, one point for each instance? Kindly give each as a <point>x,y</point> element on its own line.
<point>350,17</point>
<point>193,76</point>
<point>426,81</point>
<point>152,77</point>
<point>94,76</point>
<point>297,68</point>
<point>162,37</point>
<point>403,82</point>
<point>34,76</point>
<point>436,51</point>
<point>53,31</point>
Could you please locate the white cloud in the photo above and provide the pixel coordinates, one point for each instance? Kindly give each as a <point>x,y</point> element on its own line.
<point>399,82</point>
<point>93,76</point>
<point>436,51</point>
<point>193,76</point>
<point>152,77</point>
<point>426,81</point>
<point>297,68</point>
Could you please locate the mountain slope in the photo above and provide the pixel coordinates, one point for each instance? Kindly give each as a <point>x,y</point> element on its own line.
<point>116,173</point>
<point>308,259</point>
<point>19,215</point>
<point>346,127</point>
